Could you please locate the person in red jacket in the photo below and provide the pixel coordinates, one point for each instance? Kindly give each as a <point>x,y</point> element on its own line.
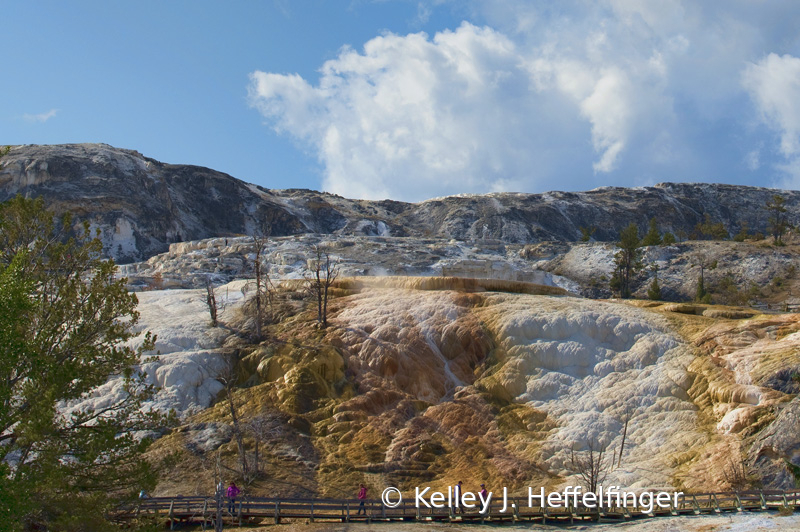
<point>362,497</point>
<point>233,492</point>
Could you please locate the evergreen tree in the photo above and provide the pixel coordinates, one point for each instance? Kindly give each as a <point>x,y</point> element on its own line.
<point>64,321</point>
<point>777,218</point>
<point>702,295</point>
<point>654,292</point>
<point>587,232</point>
<point>668,239</point>
<point>742,235</point>
<point>653,237</point>
<point>704,263</point>
<point>627,261</point>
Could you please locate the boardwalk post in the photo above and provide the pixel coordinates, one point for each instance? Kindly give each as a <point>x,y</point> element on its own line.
<point>763,501</point>
<point>312,511</point>
<point>277,512</point>
<point>205,508</point>
<point>696,505</point>
<point>171,519</point>
<point>514,511</point>
<point>240,513</point>
<point>785,502</point>
<point>738,502</point>
<point>348,511</point>
<point>717,509</point>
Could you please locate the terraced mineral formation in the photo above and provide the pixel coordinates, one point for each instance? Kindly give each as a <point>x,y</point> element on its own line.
<point>439,380</point>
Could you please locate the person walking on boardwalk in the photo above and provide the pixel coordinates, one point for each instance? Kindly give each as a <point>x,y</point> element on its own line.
<point>233,492</point>
<point>458,492</point>
<point>362,497</point>
<point>483,493</point>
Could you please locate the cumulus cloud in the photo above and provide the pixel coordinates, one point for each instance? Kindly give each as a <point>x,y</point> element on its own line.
<point>40,118</point>
<point>412,116</point>
<point>568,97</point>
<point>774,85</point>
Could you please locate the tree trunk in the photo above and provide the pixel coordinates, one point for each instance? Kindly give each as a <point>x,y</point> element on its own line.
<point>237,431</point>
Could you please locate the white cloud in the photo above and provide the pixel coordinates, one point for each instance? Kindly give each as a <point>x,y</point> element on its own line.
<point>40,118</point>
<point>570,96</point>
<point>411,117</point>
<point>774,85</point>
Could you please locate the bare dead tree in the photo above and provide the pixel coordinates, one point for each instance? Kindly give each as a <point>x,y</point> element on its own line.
<point>211,302</point>
<point>323,272</point>
<point>267,427</point>
<point>592,465</point>
<point>264,288</point>
<point>228,376</point>
<point>626,419</point>
<point>737,474</point>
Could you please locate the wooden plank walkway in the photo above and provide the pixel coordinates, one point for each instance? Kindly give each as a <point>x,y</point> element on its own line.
<point>250,510</point>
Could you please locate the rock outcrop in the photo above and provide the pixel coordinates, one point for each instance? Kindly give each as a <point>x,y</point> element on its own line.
<point>142,205</point>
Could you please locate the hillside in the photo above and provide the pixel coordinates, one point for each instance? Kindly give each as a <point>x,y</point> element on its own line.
<point>412,385</point>
<point>142,205</point>
<point>470,338</point>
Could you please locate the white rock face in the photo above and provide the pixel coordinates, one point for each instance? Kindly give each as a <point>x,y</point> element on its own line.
<point>584,363</point>
<point>186,359</point>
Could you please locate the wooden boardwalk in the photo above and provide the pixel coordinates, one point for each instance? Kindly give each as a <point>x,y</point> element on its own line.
<point>253,510</point>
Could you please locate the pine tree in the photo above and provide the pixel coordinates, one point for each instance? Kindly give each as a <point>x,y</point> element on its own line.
<point>627,260</point>
<point>653,237</point>
<point>64,321</point>
<point>777,218</point>
<point>654,292</point>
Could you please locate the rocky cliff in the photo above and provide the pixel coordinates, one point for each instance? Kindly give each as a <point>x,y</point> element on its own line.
<point>142,205</point>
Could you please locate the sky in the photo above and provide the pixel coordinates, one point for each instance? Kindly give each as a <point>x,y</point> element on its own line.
<point>413,99</point>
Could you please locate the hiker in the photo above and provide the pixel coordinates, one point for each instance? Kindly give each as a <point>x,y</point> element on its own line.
<point>362,497</point>
<point>143,495</point>
<point>483,494</point>
<point>233,492</point>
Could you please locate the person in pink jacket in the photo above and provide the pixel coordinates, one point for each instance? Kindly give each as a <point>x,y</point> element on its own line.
<point>362,497</point>
<point>233,492</point>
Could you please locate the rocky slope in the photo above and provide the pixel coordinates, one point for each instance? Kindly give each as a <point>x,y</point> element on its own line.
<point>746,273</point>
<point>428,381</point>
<point>142,205</point>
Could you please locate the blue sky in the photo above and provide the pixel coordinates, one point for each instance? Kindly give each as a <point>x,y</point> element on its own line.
<point>415,99</point>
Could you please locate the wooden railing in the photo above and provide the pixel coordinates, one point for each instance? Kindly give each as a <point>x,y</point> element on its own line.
<point>203,510</point>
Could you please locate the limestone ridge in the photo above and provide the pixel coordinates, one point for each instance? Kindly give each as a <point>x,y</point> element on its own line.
<point>142,205</point>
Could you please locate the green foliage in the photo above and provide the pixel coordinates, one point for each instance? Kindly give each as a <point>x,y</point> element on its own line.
<point>702,295</point>
<point>709,230</point>
<point>731,292</point>
<point>778,223</point>
<point>653,237</point>
<point>587,232</point>
<point>654,292</point>
<point>64,319</point>
<point>742,235</point>
<point>627,261</point>
<point>668,239</point>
